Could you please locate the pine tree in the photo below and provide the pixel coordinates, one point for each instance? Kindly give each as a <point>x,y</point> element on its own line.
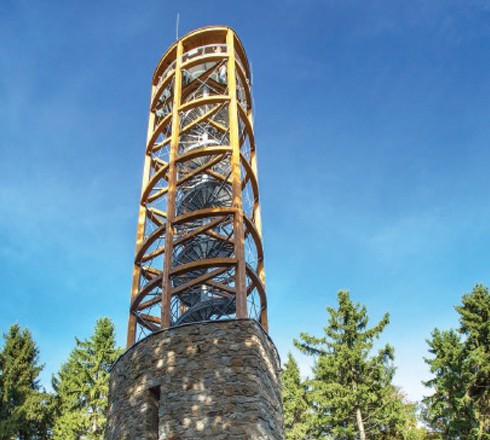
<point>82,386</point>
<point>296,408</point>
<point>351,392</point>
<point>25,409</point>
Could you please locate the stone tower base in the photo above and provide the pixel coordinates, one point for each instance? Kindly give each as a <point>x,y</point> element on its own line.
<point>210,380</point>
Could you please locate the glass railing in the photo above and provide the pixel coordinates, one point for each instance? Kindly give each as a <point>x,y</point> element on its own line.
<point>209,49</point>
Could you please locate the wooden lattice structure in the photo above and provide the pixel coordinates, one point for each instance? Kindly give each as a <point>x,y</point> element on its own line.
<point>199,253</point>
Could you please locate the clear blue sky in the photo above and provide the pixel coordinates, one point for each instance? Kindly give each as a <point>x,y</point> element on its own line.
<point>373,130</point>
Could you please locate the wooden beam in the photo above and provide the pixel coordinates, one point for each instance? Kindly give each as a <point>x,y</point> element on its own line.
<point>198,280</point>
<point>140,231</point>
<point>200,169</point>
<point>204,151</point>
<point>148,325</point>
<point>172,177</point>
<point>203,264</point>
<point>197,231</point>
<point>157,233</point>
<point>240,276</point>
<point>263,299</point>
<point>159,129</point>
<point>149,303</point>
<point>208,100</point>
<point>221,286</point>
<point>155,178</point>
<point>147,288</point>
<point>201,118</point>
<point>204,213</point>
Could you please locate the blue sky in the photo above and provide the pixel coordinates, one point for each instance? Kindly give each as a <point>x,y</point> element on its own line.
<point>372,123</point>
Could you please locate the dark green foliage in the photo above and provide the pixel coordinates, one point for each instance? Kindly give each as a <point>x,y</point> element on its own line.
<point>475,327</point>
<point>296,408</point>
<point>351,393</point>
<point>25,410</point>
<point>449,411</point>
<point>82,386</point>
<point>459,408</point>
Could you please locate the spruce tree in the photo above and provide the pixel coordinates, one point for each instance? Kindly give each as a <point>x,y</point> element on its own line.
<point>295,404</point>
<point>449,412</point>
<point>82,386</point>
<point>25,409</point>
<point>351,392</point>
<point>403,420</point>
<point>475,327</point>
<point>460,404</point>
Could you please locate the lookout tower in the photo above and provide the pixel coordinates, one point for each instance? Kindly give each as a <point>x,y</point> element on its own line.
<point>199,254</point>
<point>199,362</point>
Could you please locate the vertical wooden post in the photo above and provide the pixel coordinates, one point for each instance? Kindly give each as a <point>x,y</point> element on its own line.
<point>258,225</point>
<point>257,220</point>
<point>172,178</point>
<point>238,228</point>
<point>140,230</point>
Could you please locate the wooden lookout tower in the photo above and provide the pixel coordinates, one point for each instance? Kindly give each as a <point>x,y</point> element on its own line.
<point>199,254</point>
<point>199,363</point>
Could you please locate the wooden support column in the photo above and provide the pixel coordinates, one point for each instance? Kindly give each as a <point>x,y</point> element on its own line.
<point>257,219</point>
<point>172,178</point>
<point>238,229</point>
<point>140,231</point>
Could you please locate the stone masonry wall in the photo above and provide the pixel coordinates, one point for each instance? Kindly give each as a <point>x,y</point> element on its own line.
<point>211,380</point>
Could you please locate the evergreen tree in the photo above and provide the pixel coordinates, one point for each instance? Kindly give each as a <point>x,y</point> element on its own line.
<point>475,327</point>
<point>296,408</point>
<point>402,420</point>
<point>71,421</point>
<point>25,410</point>
<point>82,386</point>
<point>351,392</point>
<point>449,412</point>
<point>459,407</point>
